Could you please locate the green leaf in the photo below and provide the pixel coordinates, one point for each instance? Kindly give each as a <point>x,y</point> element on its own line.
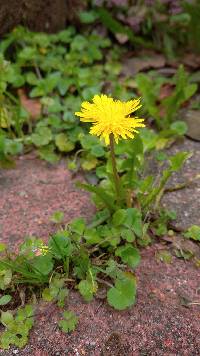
<point>57,217</point>
<point>62,295</point>
<point>66,35</point>
<point>42,265</point>
<point>13,147</point>
<point>42,136</point>
<point>91,236</point>
<point>5,278</point>
<point>81,263</point>
<point>129,255</point>
<point>190,90</point>
<point>134,221</point>
<point>193,233</point>
<point>63,143</point>
<point>117,28</point>
<point>89,141</point>
<point>17,329</point>
<point>6,318</point>
<point>149,94</point>
<point>69,322</point>
<point>164,256</point>
<point>127,234</point>
<point>123,294</point>
<point>119,217</point>
<point>2,247</point>
<point>46,295</point>
<point>77,226</point>
<point>89,162</point>
<point>47,153</point>
<point>99,218</point>
<point>100,192</point>
<point>179,127</point>
<point>60,245</point>
<point>87,289</point>
<point>5,299</point>
<point>178,160</point>
<point>88,16</point>
<point>97,151</point>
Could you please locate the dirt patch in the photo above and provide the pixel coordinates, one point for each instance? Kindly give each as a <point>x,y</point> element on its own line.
<point>38,15</point>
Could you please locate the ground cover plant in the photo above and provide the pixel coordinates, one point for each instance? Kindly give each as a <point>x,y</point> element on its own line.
<point>48,101</point>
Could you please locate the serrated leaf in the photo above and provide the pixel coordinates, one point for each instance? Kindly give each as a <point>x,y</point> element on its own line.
<point>62,295</point>
<point>119,217</point>
<point>127,235</point>
<point>69,322</point>
<point>178,160</point>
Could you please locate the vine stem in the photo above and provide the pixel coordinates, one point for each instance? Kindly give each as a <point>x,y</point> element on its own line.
<point>114,167</point>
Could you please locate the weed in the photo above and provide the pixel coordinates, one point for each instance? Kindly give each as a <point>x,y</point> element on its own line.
<point>104,252</point>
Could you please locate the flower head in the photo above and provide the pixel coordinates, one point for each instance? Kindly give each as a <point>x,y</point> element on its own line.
<point>42,249</point>
<point>111,117</point>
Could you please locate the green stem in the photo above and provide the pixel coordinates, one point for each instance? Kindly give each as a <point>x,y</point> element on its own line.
<point>114,167</point>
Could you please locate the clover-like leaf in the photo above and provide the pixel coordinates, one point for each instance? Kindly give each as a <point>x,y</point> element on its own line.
<point>129,255</point>
<point>122,295</point>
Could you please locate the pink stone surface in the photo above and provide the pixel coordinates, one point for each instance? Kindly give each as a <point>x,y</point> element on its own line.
<point>31,193</point>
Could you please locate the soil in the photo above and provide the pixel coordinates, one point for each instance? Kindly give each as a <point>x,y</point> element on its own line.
<point>166,318</point>
<point>38,15</point>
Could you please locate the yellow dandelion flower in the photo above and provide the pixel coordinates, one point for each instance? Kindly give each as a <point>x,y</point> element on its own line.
<point>111,116</point>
